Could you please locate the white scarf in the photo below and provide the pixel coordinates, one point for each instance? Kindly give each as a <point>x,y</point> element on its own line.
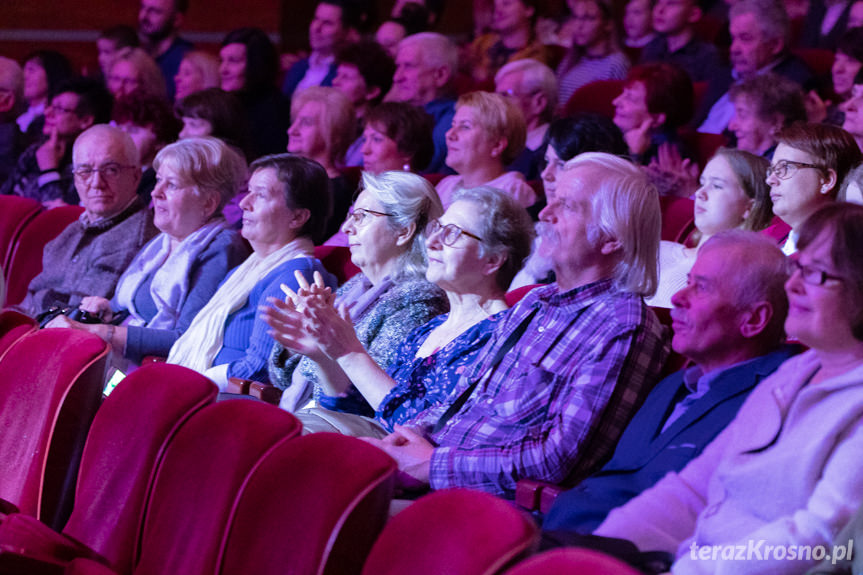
<point>170,270</point>
<point>198,347</point>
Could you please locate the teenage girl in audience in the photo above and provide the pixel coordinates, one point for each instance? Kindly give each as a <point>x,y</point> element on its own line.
<point>283,218</point>
<point>387,300</point>
<point>474,249</point>
<point>808,168</point>
<point>733,194</point>
<point>487,133</point>
<point>198,71</point>
<point>178,271</point>
<point>594,54</point>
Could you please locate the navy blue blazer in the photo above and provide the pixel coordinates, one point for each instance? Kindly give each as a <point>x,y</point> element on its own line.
<point>644,454</point>
<point>298,71</point>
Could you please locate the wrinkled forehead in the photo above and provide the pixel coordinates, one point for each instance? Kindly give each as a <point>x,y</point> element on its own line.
<point>100,148</point>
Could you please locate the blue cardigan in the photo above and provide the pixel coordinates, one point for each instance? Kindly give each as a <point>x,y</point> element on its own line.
<point>644,454</point>
<point>246,345</point>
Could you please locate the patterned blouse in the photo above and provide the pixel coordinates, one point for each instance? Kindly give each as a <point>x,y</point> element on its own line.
<point>426,382</point>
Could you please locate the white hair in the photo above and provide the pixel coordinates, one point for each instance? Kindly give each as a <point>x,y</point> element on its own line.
<point>436,50</point>
<point>536,77</point>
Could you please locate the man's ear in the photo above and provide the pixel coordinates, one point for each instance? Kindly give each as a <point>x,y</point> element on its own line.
<point>538,102</point>
<point>85,122</point>
<point>828,182</point>
<point>373,93</point>
<point>406,235</point>
<point>755,319</point>
<point>442,76</point>
<point>777,45</point>
<point>610,245</point>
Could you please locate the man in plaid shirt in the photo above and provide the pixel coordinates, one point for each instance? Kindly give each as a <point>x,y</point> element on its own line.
<point>562,375</point>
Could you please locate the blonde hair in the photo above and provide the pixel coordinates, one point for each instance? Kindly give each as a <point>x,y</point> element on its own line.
<point>500,118</point>
<point>625,207</point>
<point>338,121</point>
<point>207,64</point>
<point>152,81</point>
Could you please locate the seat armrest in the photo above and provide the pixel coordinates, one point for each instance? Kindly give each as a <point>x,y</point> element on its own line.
<point>535,495</point>
<point>547,497</point>
<point>265,392</point>
<point>87,567</point>
<point>7,507</point>
<point>238,386</point>
<point>148,359</point>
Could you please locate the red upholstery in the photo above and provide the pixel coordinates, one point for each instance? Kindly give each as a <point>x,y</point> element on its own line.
<point>50,388</point>
<point>325,496</point>
<point>708,28</point>
<point>678,218</point>
<point>25,262</point>
<point>433,179</point>
<point>453,531</point>
<point>514,296</point>
<point>337,260</point>
<point>594,97</point>
<point>820,61</point>
<point>581,561</point>
<point>13,326</point>
<point>703,146</point>
<point>197,484</point>
<point>15,213</point>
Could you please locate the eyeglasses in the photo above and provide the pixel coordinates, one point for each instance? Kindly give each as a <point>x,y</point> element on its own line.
<point>450,233</point>
<point>58,108</point>
<point>785,169</point>
<point>360,215</point>
<point>108,172</point>
<point>813,276</point>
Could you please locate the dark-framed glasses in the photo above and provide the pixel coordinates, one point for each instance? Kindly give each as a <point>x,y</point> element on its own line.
<point>812,275</point>
<point>450,233</point>
<point>784,169</point>
<point>107,172</point>
<point>360,215</point>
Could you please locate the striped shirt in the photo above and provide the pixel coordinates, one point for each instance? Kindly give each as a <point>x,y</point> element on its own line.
<point>614,66</point>
<point>555,405</point>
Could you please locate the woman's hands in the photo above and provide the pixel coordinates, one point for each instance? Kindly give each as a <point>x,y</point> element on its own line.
<point>672,174</point>
<point>98,306</point>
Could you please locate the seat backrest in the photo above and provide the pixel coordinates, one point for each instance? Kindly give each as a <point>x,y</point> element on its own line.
<point>337,260</point>
<point>678,217</point>
<point>15,213</point>
<point>453,531</point>
<point>197,484</point>
<point>327,497</point>
<point>13,326</point>
<point>819,60</point>
<point>572,560</point>
<point>25,262</point>
<point>126,442</point>
<point>703,146</point>
<point>514,296</point>
<point>595,97</point>
<point>50,387</point>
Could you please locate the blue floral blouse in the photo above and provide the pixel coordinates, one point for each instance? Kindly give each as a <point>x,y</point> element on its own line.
<point>427,382</point>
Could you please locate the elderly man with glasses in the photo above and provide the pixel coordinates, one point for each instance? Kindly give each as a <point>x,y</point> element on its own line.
<point>89,256</point>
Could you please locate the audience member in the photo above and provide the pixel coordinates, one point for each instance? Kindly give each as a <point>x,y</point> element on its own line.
<point>113,43</point>
<point>763,106</point>
<point>512,38</point>
<point>388,299</point>
<point>159,23</point>
<point>214,112</point>
<point>397,136</point>
<point>11,104</point>
<point>846,65</point>
<point>198,71</point>
<point>433,8</point>
<point>677,42</point>
<point>151,124</point>
<point>426,66</point>
<point>531,85</point>
<point>88,257</point>
<point>321,130</point>
<point>136,73</point>
<point>44,170</point>
<point>852,188</point>
<point>413,19</point>
<point>329,29</point>
<point>473,267</point>
<point>365,75</point>
<point>179,270</point>
<point>594,54</point>
<point>638,23</point>
<point>44,72</point>
<point>549,395</point>
<point>853,110</point>
<point>733,195</point>
<point>487,133</point>
<point>248,68</point>
<point>809,166</point>
<point>784,472</point>
<point>728,320</point>
<point>283,217</point>
<point>759,32</point>
<point>567,138</point>
<point>855,15</point>
<point>657,99</point>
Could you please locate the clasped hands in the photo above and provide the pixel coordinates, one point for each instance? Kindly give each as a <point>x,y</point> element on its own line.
<point>307,321</point>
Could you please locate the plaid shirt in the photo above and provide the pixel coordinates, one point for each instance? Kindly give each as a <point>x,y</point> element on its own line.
<point>555,405</point>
